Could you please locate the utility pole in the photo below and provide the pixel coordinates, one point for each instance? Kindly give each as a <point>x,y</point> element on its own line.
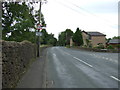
<point>38,49</point>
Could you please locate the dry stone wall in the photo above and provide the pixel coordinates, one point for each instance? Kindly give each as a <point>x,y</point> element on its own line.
<point>15,59</point>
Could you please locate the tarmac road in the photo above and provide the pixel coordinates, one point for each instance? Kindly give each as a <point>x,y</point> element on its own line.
<point>69,68</point>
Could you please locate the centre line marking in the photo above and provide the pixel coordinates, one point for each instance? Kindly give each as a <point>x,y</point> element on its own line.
<point>83,61</point>
<point>115,78</point>
<point>79,59</point>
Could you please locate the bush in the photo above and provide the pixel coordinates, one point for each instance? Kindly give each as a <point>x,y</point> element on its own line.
<point>85,46</point>
<point>99,46</point>
<point>118,46</point>
<point>110,47</point>
<point>90,46</point>
<point>68,46</point>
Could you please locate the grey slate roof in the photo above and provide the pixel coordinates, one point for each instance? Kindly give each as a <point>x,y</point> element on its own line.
<point>114,41</point>
<point>95,34</point>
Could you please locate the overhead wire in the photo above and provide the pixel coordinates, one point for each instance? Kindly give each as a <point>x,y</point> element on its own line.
<point>84,10</point>
<point>89,12</point>
<point>68,7</point>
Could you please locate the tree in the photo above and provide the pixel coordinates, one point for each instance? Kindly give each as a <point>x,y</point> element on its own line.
<point>48,38</point>
<point>19,20</point>
<point>116,37</point>
<point>107,40</point>
<point>44,37</point>
<point>77,37</point>
<point>52,40</point>
<point>37,14</point>
<point>62,38</point>
<point>69,34</point>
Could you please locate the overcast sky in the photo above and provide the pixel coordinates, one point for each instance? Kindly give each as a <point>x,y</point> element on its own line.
<point>88,15</point>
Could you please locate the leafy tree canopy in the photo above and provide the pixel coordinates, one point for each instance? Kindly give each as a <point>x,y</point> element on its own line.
<point>116,37</point>
<point>77,37</point>
<point>69,34</point>
<point>62,39</point>
<point>19,19</point>
<point>65,36</point>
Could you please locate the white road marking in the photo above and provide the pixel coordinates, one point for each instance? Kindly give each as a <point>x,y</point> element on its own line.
<point>115,78</point>
<point>78,59</point>
<point>83,61</point>
<point>109,59</point>
<point>65,52</point>
<point>89,64</point>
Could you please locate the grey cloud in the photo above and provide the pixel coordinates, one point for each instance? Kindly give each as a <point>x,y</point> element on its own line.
<point>103,7</point>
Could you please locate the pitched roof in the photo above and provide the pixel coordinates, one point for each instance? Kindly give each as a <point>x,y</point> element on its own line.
<point>94,33</point>
<point>114,41</point>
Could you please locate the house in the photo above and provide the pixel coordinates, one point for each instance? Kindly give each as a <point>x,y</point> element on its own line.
<point>114,42</point>
<point>93,39</point>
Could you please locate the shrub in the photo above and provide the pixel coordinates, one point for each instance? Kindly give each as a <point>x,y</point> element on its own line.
<point>99,46</point>
<point>90,46</point>
<point>118,46</point>
<point>110,47</point>
<point>68,46</point>
<point>85,46</point>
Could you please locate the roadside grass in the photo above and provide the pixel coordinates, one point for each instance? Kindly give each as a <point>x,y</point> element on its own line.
<point>41,46</point>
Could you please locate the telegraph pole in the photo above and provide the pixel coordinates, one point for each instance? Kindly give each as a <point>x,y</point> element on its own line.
<point>38,49</point>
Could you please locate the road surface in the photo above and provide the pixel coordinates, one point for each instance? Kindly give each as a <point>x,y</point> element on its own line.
<point>70,68</point>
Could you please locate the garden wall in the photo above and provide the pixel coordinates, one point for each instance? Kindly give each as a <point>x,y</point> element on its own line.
<point>16,56</point>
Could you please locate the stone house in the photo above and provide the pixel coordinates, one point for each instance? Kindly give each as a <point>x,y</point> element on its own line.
<point>93,39</point>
